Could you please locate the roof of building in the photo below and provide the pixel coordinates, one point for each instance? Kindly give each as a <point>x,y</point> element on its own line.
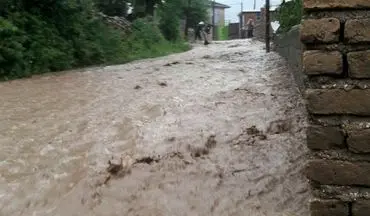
<point>219,5</point>
<point>251,11</point>
<point>272,8</point>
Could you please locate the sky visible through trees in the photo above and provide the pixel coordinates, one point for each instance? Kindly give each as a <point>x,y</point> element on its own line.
<point>231,14</point>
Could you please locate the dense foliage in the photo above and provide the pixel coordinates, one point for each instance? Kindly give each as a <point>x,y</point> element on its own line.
<point>38,36</point>
<point>191,11</point>
<point>112,7</point>
<point>289,14</point>
<point>141,8</point>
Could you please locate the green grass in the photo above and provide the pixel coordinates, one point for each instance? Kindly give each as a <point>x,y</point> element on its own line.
<point>158,50</point>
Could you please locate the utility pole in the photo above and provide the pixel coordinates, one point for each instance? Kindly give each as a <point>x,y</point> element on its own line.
<point>267,14</point>
<point>241,21</point>
<point>254,5</point>
<point>241,6</point>
<point>213,20</point>
<point>187,20</point>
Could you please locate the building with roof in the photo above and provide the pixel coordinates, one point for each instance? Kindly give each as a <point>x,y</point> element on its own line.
<point>256,15</point>
<point>219,17</point>
<point>219,13</point>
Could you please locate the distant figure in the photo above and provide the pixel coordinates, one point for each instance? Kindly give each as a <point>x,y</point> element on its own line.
<point>250,28</point>
<point>202,31</point>
<point>198,30</point>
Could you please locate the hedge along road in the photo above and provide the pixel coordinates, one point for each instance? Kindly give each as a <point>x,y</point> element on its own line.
<point>218,130</point>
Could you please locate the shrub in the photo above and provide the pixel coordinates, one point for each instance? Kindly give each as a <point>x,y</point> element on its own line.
<point>289,14</point>
<point>147,41</point>
<point>38,37</point>
<point>170,21</point>
<point>11,49</point>
<point>146,30</point>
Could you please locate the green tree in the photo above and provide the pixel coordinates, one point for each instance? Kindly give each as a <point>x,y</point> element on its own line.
<point>171,12</point>
<point>289,14</point>
<point>113,7</point>
<point>143,8</point>
<point>195,11</point>
<point>38,36</point>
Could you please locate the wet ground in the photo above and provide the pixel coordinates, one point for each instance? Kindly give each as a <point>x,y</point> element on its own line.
<point>218,130</point>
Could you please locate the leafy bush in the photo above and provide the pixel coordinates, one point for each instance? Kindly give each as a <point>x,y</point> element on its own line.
<point>191,11</point>
<point>289,14</point>
<point>147,41</point>
<point>45,49</point>
<point>51,35</point>
<point>11,49</point>
<point>169,22</point>
<point>146,31</point>
<point>112,8</point>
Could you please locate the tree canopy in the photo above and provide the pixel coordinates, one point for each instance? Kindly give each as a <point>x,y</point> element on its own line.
<point>289,14</point>
<point>191,11</point>
<point>38,36</point>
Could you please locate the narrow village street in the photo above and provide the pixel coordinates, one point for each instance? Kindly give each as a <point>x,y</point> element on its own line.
<point>215,131</point>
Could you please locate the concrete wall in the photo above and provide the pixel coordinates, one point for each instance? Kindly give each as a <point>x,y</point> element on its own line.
<point>260,30</point>
<point>219,19</point>
<point>260,25</point>
<point>336,59</point>
<point>220,16</point>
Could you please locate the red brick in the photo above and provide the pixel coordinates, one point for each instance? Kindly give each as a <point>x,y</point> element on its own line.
<point>359,64</point>
<point>325,30</point>
<point>338,101</point>
<point>357,31</point>
<point>330,172</point>
<point>316,62</point>
<point>329,4</point>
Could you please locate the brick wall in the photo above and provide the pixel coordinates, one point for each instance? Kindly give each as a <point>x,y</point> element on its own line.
<point>260,25</point>
<point>259,31</point>
<point>336,34</point>
<point>249,15</point>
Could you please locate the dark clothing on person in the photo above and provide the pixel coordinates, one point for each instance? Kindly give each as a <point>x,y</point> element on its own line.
<point>198,30</point>
<point>208,29</point>
<point>250,28</point>
<point>202,30</point>
<point>249,33</point>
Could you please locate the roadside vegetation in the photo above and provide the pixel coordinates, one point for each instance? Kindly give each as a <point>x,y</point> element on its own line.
<point>38,36</point>
<point>289,14</point>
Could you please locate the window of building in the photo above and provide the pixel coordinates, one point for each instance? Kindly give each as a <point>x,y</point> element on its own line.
<point>258,15</point>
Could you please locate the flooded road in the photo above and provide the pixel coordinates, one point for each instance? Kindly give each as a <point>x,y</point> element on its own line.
<point>218,130</point>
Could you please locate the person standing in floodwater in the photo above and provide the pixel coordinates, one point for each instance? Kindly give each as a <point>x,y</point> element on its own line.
<point>250,28</point>
<point>202,31</point>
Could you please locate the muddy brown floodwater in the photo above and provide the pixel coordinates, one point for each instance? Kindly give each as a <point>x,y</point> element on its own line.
<point>218,130</point>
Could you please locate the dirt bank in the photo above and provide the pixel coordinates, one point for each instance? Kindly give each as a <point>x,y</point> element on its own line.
<point>217,130</point>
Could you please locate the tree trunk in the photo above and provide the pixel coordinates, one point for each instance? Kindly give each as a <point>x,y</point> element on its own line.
<point>187,19</point>
<point>149,7</point>
<point>267,36</point>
